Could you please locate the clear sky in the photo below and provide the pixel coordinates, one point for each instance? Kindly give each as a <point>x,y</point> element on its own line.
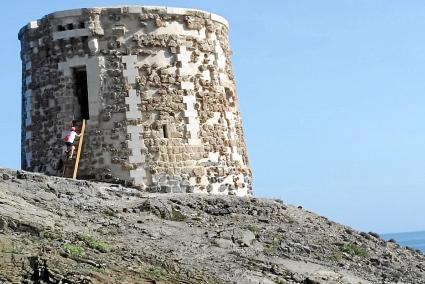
<point>332,95</point>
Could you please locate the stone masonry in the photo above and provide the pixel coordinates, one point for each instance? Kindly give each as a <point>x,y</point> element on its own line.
<point>160,98</point>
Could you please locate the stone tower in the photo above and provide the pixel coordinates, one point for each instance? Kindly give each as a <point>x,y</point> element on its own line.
<point>156,87</point>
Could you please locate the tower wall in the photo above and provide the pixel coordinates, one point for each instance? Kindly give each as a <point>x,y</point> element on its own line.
<point>162,106</point>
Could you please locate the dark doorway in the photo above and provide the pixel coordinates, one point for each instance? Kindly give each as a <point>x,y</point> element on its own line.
<point>81,91</point>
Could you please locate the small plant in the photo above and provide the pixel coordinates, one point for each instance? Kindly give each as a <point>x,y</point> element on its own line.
<point>279,280</point>
<point>73,250</point>
<point>176,215</point>
<point>274,245</point>
<point>51,235</point>
<point>354,249</point>
<point>95,244</point>
<point>109,212</point>
<point>277,238</point>
<point>255,229</point>
<point>336,256</point>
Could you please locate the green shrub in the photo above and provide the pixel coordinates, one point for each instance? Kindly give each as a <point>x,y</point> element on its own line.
<point>336,256</point>
<point>255,229</point>
<point>73,250</point>
<point>354,249</point>
<point>274,245</point>
<point>176,215</point>
<point>109,212</point>
<point>95,244</point>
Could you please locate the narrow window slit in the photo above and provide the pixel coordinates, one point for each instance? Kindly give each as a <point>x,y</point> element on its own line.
<point>165,130</point>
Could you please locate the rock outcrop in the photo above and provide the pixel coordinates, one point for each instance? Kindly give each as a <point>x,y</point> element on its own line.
<point>55,230</point>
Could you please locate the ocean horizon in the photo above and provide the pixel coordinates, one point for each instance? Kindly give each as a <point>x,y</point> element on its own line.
<point>411,239</point>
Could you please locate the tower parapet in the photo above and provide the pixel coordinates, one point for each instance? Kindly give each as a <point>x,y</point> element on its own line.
<point>156,87</point>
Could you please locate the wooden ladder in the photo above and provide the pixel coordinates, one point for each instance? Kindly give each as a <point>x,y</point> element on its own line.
<point>80,147</point>
<point>77,159</point>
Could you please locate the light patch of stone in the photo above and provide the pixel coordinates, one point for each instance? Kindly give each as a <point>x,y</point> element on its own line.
<point>28,106</point>
<point>135,143</point>
<point>192,125</point>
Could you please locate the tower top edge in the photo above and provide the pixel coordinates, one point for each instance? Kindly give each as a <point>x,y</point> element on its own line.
<point>129,9</point>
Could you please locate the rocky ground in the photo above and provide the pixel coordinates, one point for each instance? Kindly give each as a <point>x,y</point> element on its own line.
<point>55,230</point>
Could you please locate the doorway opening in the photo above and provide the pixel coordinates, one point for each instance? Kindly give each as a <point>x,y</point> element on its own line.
<point>81,92</point>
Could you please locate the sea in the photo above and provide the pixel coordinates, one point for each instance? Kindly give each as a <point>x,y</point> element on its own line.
<point>412,239</point>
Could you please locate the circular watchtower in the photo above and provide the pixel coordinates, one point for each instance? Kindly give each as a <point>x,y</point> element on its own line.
<point>155,87</point>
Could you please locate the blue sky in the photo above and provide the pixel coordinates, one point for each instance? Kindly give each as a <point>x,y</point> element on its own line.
<point>332,95</point>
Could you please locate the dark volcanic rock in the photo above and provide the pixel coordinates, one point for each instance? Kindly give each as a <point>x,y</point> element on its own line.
<point>55,230</point>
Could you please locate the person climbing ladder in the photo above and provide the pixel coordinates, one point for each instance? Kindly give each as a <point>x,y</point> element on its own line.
<point>69,141</point>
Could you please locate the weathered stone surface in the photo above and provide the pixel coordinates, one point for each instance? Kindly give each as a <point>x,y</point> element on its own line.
<point>162,97</point>
<point>55,230</point>
<point>243,237</point>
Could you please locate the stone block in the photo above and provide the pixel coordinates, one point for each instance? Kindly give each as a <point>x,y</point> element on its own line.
<point>93,45</point>
<point>165,189</point>
<point>130,71</point>
<point>28,80</point>
<point>189,189</point>
<point>71,33</point>
<point>190,113</point>
<point>28,158</point>
<point>134,9</point>
<point>176,189</point>
<point>132,101</point>
<point>138,176</point>
<point>187,86</point>
<point>119,31</point>
<point>32,25</point>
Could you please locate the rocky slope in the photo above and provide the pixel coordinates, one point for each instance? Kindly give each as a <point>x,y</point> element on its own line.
<point>55,230</point>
